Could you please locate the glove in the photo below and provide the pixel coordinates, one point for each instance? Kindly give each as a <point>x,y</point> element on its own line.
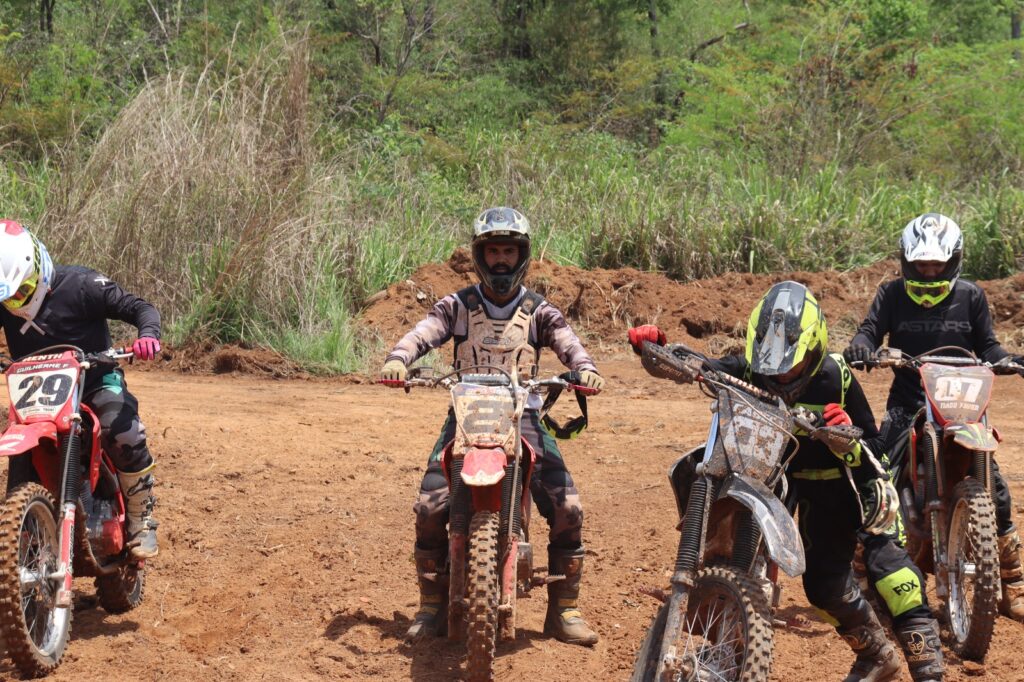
<point>393,373</point>
<point>858,353</point>
<point>1002,366</point>
<point>146,348</point>
<point>835,415</point>
<point>881,504</point>
<point>592,380</point>
<point>646,332</point>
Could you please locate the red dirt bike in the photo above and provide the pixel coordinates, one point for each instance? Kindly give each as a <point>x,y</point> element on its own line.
<point>64,510</point>
<point>736,531</point>
<point>943,467</point>
<point>488,466</point>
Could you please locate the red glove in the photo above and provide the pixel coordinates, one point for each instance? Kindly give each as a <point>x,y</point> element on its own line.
<point>146,348</point>
<point>835,415</point>
<point>647,332</point>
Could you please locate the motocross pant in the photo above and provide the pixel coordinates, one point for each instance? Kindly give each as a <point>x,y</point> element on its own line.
<point>551,486</point>
<point>829,520</point>
<point>121,431</point>
<point>899,418</point>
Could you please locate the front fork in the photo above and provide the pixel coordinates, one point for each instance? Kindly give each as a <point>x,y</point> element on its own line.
<point>71,451</point>
<point>691,549</point>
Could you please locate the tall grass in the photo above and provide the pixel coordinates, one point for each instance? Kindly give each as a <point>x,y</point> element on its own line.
<point>214,195</point>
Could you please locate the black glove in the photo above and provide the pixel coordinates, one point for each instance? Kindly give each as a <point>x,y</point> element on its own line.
<point>859,353</point>
<point>1002,366</point>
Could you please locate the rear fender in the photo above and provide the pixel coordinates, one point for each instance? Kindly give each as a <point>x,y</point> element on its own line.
<point>781,537</point>
<point>973,436</point>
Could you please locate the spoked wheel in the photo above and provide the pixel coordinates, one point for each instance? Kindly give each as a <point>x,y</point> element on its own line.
<point>973,558</point>
<point>727,635</point>
<point>122,591</point>
<point>647,657</point>
<point>482,596</point>
<point>34,628</point>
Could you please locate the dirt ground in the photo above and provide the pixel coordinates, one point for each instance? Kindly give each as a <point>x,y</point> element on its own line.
<point>285,508</point>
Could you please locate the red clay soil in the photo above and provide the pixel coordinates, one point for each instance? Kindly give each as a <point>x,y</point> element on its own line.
<point>710,314</point>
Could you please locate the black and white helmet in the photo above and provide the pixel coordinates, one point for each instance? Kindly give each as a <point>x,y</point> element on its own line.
<point>935,238</point>
<point>505,225</point>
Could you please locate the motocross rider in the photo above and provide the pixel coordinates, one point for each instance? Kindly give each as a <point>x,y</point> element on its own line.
<point>927,307</point>
<point>841,497</point>
<point>500,322</point>
<point>46,305</point>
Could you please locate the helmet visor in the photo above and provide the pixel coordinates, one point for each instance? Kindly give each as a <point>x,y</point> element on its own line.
<point>778,343</point>
<point>23,294</point>
<point>928,293</point>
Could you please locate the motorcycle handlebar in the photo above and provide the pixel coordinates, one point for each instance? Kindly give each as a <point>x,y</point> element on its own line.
<point>892,357</point>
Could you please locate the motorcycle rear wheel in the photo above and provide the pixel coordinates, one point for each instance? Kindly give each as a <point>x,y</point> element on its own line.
<point>973,555</point>
<point>122,591</point>
<point>482,596</point>
<point>727,633</point>
<point>35,629</point>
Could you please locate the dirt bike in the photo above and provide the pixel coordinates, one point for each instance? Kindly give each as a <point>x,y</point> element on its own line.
<point>943,468</point>
<point>488,466</point>
<point>736,531</point>
<point>64,512</point>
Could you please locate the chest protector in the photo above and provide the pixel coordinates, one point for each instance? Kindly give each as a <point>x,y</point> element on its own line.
<point>499,343</point>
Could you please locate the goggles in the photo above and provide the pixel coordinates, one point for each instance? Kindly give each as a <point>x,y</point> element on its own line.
<point>927,294</point>
<point>23,294</point>
<point>574,426</point>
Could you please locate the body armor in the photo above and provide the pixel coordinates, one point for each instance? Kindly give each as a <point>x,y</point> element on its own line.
<point>499,343</point>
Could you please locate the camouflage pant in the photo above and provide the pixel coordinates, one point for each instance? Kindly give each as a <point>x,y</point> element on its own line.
<point>551,486</point>
<point>121,432</point>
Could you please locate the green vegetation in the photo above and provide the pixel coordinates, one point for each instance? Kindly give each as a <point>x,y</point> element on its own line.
<point>258,169</point>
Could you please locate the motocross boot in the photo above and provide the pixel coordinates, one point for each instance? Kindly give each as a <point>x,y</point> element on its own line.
<point>919,639</point>
<point>877,660</point>
<point>137,488</point>
<point>564,621</point>
<point>431,573</point>
<point>1012,603</point>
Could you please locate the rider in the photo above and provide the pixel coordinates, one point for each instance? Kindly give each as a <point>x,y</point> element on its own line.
<point>46,305</point>
<point>786,355</point>
<point>928,307</point>
<point>500,322</point>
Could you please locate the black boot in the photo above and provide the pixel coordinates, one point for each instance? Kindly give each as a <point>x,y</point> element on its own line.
<point>564,621</point>
<point>922,648</point>
<point>877,660</point>
<point>432,574</point>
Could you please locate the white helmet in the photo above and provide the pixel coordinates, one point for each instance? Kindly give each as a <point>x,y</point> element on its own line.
<point>931,237</point>
<point>501,225</point>
<point>26,270</point>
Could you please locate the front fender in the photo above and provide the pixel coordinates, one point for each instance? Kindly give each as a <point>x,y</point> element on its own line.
<point>483,466</point>
<point>781,537</point>
<point>974,436</point>
<point>21,438</point>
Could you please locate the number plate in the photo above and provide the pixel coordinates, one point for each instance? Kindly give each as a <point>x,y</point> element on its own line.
<point>41,389</point>
<point>957,393</point>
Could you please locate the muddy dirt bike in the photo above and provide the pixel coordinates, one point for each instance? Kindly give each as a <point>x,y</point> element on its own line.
<point>943,468</point>
<point>488,466</point>
<point>736,531</point>
<point>64,512</point>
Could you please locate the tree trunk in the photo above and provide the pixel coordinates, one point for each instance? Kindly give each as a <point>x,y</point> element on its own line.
<point>1015,20</point>
<point>659,84</point>
<point>46,16</point>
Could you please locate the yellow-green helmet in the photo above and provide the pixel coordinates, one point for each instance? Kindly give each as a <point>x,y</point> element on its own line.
<point>787,339</point>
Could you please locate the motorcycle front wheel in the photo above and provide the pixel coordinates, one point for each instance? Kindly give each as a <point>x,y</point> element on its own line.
<point>727,633</point>
<point>481,596</point>
<point>973,557</point>
<point>34,628</point>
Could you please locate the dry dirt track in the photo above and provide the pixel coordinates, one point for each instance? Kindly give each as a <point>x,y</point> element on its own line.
<point>286,531</point>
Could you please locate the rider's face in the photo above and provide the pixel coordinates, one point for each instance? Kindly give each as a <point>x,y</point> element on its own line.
<point>929,268</point>
<point>501,257</point>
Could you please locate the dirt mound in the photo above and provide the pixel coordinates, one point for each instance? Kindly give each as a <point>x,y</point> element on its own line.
<point>209,358</point>
<point>710,314</point>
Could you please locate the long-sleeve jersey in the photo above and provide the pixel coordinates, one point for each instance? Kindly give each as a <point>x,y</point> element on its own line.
<point>75,312</point>
<point>961,319</point>
<point>813,458</point>
<point>449,317</point>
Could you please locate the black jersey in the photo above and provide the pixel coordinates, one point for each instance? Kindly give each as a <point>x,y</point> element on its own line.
<point>75,312</point>
<point>961,319</point>
<point>834,383</point>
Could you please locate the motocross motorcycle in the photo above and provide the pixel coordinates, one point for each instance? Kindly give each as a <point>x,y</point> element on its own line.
<point>488,466</point>
<point>736,530</point>
<point>943,466</point>
<point>64,513</point>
